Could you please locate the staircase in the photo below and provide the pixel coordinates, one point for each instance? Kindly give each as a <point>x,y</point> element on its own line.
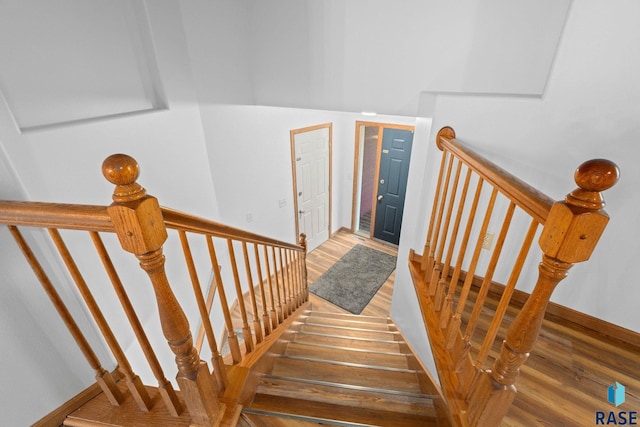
<point>345,370</point>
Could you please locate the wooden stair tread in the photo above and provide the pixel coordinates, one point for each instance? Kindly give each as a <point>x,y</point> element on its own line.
<point>350,331</point>
<point>345,354</point>
<point>328,411</point>
<point>410,403</point>
<point>405,381</point>
<point>347,317</point>
<point>350,342</point>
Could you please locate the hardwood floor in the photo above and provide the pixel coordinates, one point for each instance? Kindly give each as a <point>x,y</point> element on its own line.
<point>320,259</point>
<point>565,380</point>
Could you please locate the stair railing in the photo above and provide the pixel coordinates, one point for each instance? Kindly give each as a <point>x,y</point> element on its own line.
<point>453,276</point>
<point>275,283</point>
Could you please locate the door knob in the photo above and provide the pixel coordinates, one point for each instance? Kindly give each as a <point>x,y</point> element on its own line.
<point>300,212</point>
<point>380,197</point>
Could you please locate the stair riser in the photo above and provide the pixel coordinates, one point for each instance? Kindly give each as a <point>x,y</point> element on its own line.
<point>347,414</point>
<point>358,398</point>
<point>375,326</point>
<point>350,332</point>
<point>358,376</point>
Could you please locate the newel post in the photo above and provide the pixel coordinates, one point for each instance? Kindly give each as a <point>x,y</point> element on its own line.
<point>570,235</point>
<point>139,225</point>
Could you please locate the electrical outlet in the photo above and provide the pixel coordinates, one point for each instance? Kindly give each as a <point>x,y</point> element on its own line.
<point>249,217</point>
<point>282,203</point>
<point>488,240</point>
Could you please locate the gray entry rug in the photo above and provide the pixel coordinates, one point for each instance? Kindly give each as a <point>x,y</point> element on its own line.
<point>352,281</point>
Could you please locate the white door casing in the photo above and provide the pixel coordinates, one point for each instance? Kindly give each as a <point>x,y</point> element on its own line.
<point>311,150</point>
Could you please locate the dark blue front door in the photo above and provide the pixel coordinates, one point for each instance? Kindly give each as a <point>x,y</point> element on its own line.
<point>392,183</point>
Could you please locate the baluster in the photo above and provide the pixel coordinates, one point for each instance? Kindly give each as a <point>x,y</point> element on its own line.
<point>442,284</point>
<point>292,303</point>
<point>506,295</point>
<point>570,234</point>
<point>263,296</point>
<point>454,325</point>
<point>303,265</point>
<point>138,223</point>
<point>252,294</point>
<point>446,313</point>
<point>274,313</point>
<point>296,276</point>
<point>134,383</point>
<point>488,276</point>
<point>286,300</point>
<point>281,311</point>
<point>219,369</point>
<point>437,271</point>
<point>103,378</point>
<point>232,338</point>
<point>434,261</point>
<point>427,254</point>
<point>165,387</point>
<point>246,331</point>
<point>468,374</point>
<point>208,302</point>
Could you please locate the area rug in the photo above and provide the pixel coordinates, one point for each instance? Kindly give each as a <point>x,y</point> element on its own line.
<point>352,281</point>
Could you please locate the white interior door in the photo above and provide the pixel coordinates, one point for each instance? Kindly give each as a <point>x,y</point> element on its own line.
<point>312,157</point>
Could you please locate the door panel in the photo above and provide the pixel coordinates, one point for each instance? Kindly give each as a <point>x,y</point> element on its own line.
<point>311,157</point>
<point>392,183</point>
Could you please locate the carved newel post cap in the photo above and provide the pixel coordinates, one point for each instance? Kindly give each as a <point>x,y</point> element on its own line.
<point>445,132</point>
<point>593,177</point>
<point>122,171</point>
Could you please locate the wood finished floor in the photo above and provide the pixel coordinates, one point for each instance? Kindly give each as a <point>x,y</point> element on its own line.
<point>324,256</point>
<point>566,378</point>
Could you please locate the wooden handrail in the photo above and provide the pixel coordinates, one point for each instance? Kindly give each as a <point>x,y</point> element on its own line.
<point>190,223</point>
<point>96,218</point>
<point>534,202</point>
<point>55,215</point>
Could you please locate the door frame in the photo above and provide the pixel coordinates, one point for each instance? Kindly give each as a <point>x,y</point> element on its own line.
<point>356,163</point>
<point>292,135</point>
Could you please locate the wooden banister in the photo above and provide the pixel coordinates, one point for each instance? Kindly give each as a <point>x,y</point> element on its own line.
<point>140,228</point>
<point>454,304</point>
<point>55,215</point>
<point>182,221</point>
<point>570,234</point>
<point>534,202</point>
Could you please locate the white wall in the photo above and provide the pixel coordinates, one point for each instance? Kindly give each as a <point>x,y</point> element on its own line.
<point>250,156</point>
<point>33,363</point>
<point>220,51</point>
<point>589,110</point>
<point>62,163</point>
<point>405,310</point>
<point>365,55</point>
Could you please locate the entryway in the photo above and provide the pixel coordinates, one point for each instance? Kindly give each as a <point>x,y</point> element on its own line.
<point>381,170</point>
